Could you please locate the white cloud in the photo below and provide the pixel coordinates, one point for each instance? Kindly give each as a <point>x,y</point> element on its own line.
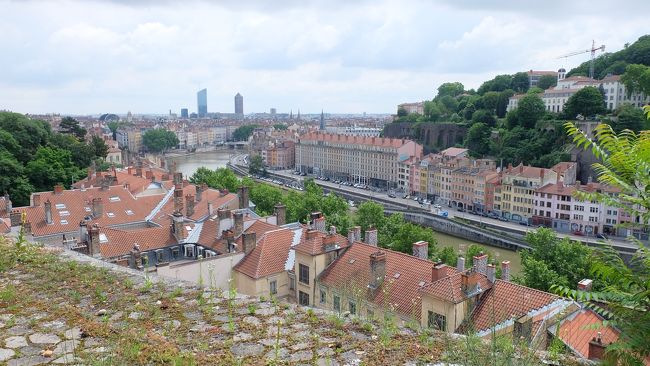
<point>343,56</point>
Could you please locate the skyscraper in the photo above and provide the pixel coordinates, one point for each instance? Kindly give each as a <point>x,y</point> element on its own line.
<point>184,113</point>
<point>239,104</point>
<point>202,102</point>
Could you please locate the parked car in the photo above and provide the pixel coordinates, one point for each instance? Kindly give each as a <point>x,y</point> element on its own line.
<point>601,236</point>
<point>578,233</point>
<point>391,195</point>
<point>503,219</point>
<point>461,209</point>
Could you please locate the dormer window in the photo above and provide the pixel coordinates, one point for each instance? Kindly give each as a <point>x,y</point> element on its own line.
<point>129,212</point>
<point>60,206</point>
<point>114,199</point>
<point>110,214</point>
<point>64,213</point>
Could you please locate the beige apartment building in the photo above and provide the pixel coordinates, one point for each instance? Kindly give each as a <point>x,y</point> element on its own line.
<point>360,159</point>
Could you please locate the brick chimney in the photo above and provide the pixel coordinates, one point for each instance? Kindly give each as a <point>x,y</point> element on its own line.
<point>199,191</point>
<point>480,263</point>
<point>421,249</point>
<point>58,189</point>
<point>223,213</point>
<point>311,234</point>
<point>320,224</point>
<point>178,178</point>
<point>505,271</point>
<point>83,232</point>
<point>36,199</point>
<point>178,198</point>
<point>178,227</point>
<point>377,269</point>
<point>48,212</point>
<point>585,284</point>
<point>350,236</point>
<point>8,204</point>
<point>460,264</point>
<point>469,282</point>
<point>357,233</point>
<point>138,171</point>
<point>90,173</point>
<point>332,230</point>
<point>280,214</point>
<point>210,209</point>
<point>491,273</point>
<point>243,197</point>
<point>523,328</point>
<point>27,228</point>
<point>596,348</point>
<point>189,202</point>
<point>230,240</point>
<point>15,217</point>
<point>371,237</point>
<point>249,241</point>
<point>93,243</point>
<point>164,177</point>
<point>129,170</point>
<point>148,174</point>
<point>98,207</point>
<point>239,223</point>
<point>106,183</point>
<point>438,271</point>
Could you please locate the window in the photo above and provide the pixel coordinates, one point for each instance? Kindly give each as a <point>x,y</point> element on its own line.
<point>337,303</point>
<point>129,212</point>
<point>437,321</point>
<point>303,298</point>
<point>60,206</point>
<point>189,250</point>
<point>175,253</point>
<point>64,222</point>
<point>352,307</point>
<point>273,287</point>
<point>303,273</point>
<point>323,296</point>
<point>64,213</point>
<point>292,283</point>
<point>114,199</point>
<point>160,256</point>
<point>593,209</point>
<point>110,214</point>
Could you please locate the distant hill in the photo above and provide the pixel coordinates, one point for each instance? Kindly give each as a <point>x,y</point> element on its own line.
<point>615,63</point>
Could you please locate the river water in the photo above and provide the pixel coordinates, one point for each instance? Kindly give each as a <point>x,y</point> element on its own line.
<point>188,164</point>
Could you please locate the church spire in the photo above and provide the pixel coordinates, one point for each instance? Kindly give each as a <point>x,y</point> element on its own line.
<point>322,120</point>
<point>298,114</point>
<point>291,114</point>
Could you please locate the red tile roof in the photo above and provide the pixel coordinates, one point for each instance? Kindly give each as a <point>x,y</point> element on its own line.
<point>200,208</point>
<point>404,276</point>
<point>210,229</point>
<point>314,246</point>
<point>453,151</point>
<point>581,327</point>
<point>120,242</point>
<point>269,256</point>
<point>507,300</point>
<point>5,225</point>
<point>450,288</point>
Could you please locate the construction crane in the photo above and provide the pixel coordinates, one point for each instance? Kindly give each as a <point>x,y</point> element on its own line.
<point>593,56</point>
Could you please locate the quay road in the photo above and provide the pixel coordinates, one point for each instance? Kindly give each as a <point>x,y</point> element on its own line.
<point>514,229</point>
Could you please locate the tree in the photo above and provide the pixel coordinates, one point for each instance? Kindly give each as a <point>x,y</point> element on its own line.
<point>342,222</point>
<point>219,178</point>
<point>265,197</point>
<point>499,83</point>
<point>51,166</point>
<point>159,140</point>
<point>502,102</point>
<point>402,112</point>
<point>530,110</point>
<point>242,133</point>
<point>448,256</point>
<point>490,100</point>
<point>99,146</point>
<point>546,81</point>
<point>520,82</point>
<point>69,125</point>
<point>256,165</point>
<point>114,126</point>
<point>636,79</point>
<point>628,117</point>
<point>587,102</point>
<point>451,89</point>
<point>370,214</point>
<point>626,292</point>
<point>484,116</point>
<point>477,139</point>
<point>29,134</point>
<point>280,126</point>
<point>431,110</point>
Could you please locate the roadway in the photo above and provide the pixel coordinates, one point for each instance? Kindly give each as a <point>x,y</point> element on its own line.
<point>511,227</point>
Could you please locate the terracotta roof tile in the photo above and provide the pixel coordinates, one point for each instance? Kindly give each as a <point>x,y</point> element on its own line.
<point>269,256</point>
<point>314,246</point>
<point>450,288</point>
<point>120,242</point>
<point>581,327</point>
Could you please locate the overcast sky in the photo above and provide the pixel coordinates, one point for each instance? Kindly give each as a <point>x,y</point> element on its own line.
<point>344,56</point>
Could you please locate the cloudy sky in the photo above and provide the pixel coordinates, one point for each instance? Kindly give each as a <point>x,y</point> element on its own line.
<point>345,56</point>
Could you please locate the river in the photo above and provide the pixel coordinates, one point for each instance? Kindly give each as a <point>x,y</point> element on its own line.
<point>188,164</point>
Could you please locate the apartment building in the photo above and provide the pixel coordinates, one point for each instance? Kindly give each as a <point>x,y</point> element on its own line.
<point>517,190</point>
<point>368,160</point>
<point>616,95</point>
<point>130,139</point>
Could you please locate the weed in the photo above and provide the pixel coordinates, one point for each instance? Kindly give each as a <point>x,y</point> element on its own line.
<point>252,307</point>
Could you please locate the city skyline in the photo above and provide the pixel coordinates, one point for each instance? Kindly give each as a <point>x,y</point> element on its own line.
<point>141,56</point>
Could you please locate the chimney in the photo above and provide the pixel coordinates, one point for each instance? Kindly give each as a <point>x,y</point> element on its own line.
<point>91,171</point>
<point>460,264</point>
<point>199,191</point>
<point>223,192</point>
<point>178,178</point>
<point>27,228</point>
<point>230,240</point>
<point>186,183</point>
<point>523,328</point>
<point>280,214</point>
<point>320,224</point>
<point>8,204</point>
<point>129,170</point>
<point>421,249</point>
<point>243,197</point>
<point>15,217</point>
<point>585,285</point>
<point>311,234</point>
<point>249,241</point>
<point>189,202</point>
<point>164,177</point>
<point>350,237</point>
<point>106,183</point>
<point>138,171</point>
<point>83,232</point>
<point>148,174</point>
<point>93,244</point>
<point>223,214</point>
<point>98,207</point>
<point>377,269</point>
<point>178,228</point>
<point>357,233</point>
<point>438,272</point>
<point>239,223</point>
<point>48,212</point>
<point>480,262</point>
<point>332,230</point>
<point>505,271</point>
<point>469,282</point>
<point>36,199</point>
<point>178,198</point>
<point>58,189</point>
<point>210,208</point>
<point>371,237</point>
<point>596,348</point>
<point>491,273</point>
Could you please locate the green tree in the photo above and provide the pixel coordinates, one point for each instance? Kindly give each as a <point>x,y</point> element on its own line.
<point>432,111</point>
<point>242,133</point>
<point>626,292</point>
<point>484,116</point>
<point>477,140</point>
<point>256,165</point>
<point>10,169</point>
<point>100,149</point>
<point>587,102</point>
<point>280,126</point>
<point>114,126</point>
<point>159,140</point>
<point>499,83</point>
<point>370,214</point>
<point>490,100</point>
<point>52,166</point>
<point>69,125</point>
<point>628,117</point>
<point>530,110</point>
<point>502,102</point>
<point>28,133</point>
<point>219,178</point>
<point>546,81</point>
<point>343,223</point>
<point>636,79</point>
<point>265,197</point>
<point>448,256</point>
<point>451,89</point>
<point>402,112</point>
<point>520,82</point>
